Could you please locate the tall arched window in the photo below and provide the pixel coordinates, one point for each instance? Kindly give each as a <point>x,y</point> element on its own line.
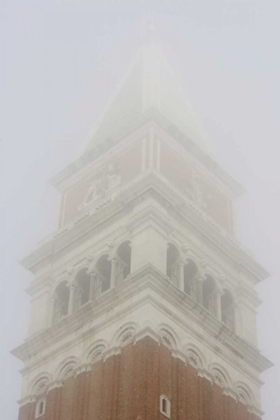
<point>61,302</point>
<point>83,287</point>
<point>209,295</point>
<point>103,274</point>
<point>165,406</point>
<point>172,268</point>
<point>123,261</point>
<point>190,280</point>
<point>40,408</point>
<point>227,309</point>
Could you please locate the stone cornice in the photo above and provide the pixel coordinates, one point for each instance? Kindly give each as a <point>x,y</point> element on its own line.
<point>154,187</point>
<point>155,116</point>
<point>144,279</point>
<point>203,372</point>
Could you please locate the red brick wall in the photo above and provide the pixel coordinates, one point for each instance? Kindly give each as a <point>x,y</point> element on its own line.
<point>128,387</point>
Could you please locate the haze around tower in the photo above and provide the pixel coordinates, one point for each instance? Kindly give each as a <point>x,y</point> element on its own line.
<point>62,59</point>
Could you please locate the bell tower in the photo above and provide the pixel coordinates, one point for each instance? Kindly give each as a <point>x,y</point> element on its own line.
<point>143,301</point>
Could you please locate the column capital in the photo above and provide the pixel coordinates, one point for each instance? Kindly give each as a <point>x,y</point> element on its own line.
<point>91,271</point>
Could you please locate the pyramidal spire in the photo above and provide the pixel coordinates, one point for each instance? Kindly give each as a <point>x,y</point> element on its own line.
<point>149,84</point>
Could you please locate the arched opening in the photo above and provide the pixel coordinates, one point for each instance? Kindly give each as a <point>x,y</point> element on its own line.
<point>172,268</point>
<point>219,378</point>
<point>41,386</point>
<point>103,274</point>
<point>190,280</point>
<point>227,309</point>
<point>40,408</point>
<point>244,396</point>
<point>68,370</point>
<point>61,302</point>
<point>165,406</point>
<point>83,287</point>
<point>209,295</point>
<point>123,261</point>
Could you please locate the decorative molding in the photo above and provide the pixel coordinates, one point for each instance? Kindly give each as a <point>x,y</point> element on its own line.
<point>153,183</point>
<point>26,400</point>
<point>230,393</point>
<point>147,278</point>
<point>55,384</point>
<point>147,332</point>
<point>203,373</point>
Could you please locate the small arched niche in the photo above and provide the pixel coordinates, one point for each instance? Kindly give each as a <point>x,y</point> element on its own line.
<point>209,295</point>
<point>244,394</point>
<point>103,274</point>
<point>227,309</point>
<point>165,406</point>
<point>61,302</point>
<point>82,280</point>
<point>41,385</point>
<point>68,369</point>
<point>172,267</point>
<point>123,261</point>
<point>219,378</point>
<point>40,408</point>
<point>190,280</point>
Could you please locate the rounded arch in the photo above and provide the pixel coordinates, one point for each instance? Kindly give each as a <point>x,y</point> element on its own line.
<point>40,384</point>
<point>104,253</point>
<point>60,279</point>
<point>40,407</point>
<point>226,286</point>
<point>165,405</point>
<point>168,336</point>
<point>194,356</point>
<point>210,275</point>
<point>95,351</point>
<point>125,334</point>
<point>67,368</point>
<point>118,243</point>
<point>244,393</point>
<point>193,257</point>
<point>175,246</point>
<point>178,245</point>
<point>220,375</point>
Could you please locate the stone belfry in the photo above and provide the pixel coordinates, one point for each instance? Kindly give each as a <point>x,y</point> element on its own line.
<point>143,301</point>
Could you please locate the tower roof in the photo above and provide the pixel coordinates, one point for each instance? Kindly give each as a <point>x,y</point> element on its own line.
<point>149,83</point>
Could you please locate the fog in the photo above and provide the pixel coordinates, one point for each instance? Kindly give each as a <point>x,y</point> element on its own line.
<point>61,60</point>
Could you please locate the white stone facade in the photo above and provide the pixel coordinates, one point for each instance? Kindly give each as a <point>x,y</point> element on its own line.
<point>154,190</point>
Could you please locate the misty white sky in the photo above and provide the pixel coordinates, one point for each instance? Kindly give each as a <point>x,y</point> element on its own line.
<point>60,61</point>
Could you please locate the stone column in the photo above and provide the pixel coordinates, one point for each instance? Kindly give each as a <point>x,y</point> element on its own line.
<point>71,299</point>
<point>113,272</point>
<point>51,311</point>
<point>181,282</point>
<point>237,326</point>
<point>92,286</point>
<point>200,290</point>
<point>219,304</point>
